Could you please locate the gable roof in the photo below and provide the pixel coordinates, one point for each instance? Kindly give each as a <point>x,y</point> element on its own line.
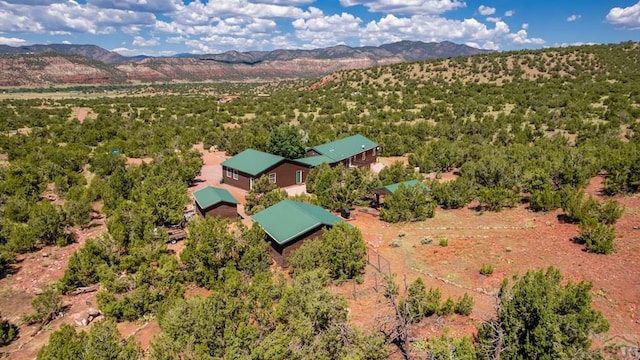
<point>289,219</point>
<point>390,189</point>
<point>345,148</point>
<point>313,161</point>
<point>252,162</point>
<point>210,196</point>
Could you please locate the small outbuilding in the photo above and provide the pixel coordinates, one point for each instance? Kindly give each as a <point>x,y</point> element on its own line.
<point>390,189</point>
<point>289,223</point>
<point>212,201</point>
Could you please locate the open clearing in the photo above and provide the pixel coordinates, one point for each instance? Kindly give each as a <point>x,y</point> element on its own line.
<point>513,241</point>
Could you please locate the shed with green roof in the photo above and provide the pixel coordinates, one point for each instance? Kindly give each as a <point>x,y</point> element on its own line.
<point>289,223</point>
<point>352,151</point>
<point>212,201</point>
<point>244,168</point>
<point>390,189</point>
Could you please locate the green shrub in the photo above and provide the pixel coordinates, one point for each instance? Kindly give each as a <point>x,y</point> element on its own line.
<point>545,199</point>
<point>446,347</point>
<point>415,301</point>
<point>610,212</point>
<point>47,302</point>
<point>8,331</point>
<point>453,194</point>
<point>540,316</point>
<point>432,301</point>
<point>341,250</point>
<point>464,306</point>
<point>447,307</point>
<point>408,203</point>
<point>443,241</point>
<point>577,207</point>
<point>598,237</point>
<point>494,199</point>
<point>486,269</point>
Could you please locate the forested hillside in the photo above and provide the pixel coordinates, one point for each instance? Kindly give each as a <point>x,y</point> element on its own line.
<point>529,127</point>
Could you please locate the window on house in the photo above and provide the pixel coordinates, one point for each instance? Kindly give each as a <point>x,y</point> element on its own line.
<point>364,155</point>
<point>228,172</point>
<point>235,174</point>
<point>272,178</point>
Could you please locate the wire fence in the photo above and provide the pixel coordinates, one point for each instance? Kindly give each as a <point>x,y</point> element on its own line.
<point>378,261</point>
<point>372,280</point>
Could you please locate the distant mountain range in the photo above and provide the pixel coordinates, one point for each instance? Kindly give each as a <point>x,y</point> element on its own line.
<point>91,64</point>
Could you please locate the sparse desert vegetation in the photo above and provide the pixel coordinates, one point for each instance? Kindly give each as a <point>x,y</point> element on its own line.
<point>529,162</point>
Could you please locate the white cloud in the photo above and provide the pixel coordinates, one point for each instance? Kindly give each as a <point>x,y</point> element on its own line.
<point>432,7</point>
<point>574,44</point>
<point>327,30</point>
<point>486,10</point>
<point>134,52</point>
<point>140,41</point>
<point>151,6</point>
<point>211,26</point>
<point>199,13</point>
<point>509,13</point>
<point>12,41</point>
<point>285,2</point>
<point>573,17</point>
<point>522,38</point>
<point>487,45</point>
<point>32,2</point>
<point>628,17</point>
<point>431,28</point>
<point>66,18</point>
<point>525,26</point>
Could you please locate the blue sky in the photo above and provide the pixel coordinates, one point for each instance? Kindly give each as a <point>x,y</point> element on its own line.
<point>166,27</point>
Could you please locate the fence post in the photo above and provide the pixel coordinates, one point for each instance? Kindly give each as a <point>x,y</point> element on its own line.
<point>355,295</point>
<point>375,279</point>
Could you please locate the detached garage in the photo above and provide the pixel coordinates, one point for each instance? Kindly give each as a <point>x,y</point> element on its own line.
<point>289,223</point>
<point>212,201</point>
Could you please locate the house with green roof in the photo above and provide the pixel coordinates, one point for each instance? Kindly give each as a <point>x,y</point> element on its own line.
<point>351,151</point>
<point>244,168</point>
<point>212,201</point>
<point>289,223</point>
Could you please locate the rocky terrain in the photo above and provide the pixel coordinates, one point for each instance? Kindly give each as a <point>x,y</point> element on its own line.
<point>47,65</point>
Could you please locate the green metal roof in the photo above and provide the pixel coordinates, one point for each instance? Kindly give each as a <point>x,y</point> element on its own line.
<point>390,189</point>
<point>252,162</point>
<point>289,219</point>
<point>210,196</point>
<point>344,148</point>
<point>313,161</point>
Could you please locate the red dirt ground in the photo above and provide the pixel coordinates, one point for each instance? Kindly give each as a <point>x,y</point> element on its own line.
<point>32,272</point>
<point>82,114</point>
<point>513,241</point>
